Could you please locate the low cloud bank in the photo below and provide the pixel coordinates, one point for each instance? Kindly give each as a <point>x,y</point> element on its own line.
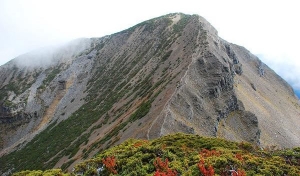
<point>47,56</point>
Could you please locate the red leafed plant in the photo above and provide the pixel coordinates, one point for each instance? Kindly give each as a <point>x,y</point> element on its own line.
<point>206,172</point>
<point>140,143</point>
<point>110,164</point>
<point>239,173</point>
<point>207,153</point>
<point>239,156</point>
<point>162,168</point>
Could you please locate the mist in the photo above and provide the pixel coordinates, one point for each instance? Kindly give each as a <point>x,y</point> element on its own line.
<point>52,55</point>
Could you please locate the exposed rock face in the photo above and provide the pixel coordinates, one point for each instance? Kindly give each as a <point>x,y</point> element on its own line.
<point>169,74</point>
<point>206,97</point>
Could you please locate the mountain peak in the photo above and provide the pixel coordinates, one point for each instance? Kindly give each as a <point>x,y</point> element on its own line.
<point>165,75</point>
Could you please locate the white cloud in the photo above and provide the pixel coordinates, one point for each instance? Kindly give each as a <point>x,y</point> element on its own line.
<point>287,67</point>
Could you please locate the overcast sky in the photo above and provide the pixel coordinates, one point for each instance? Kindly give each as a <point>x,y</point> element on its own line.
<point>268,28</point>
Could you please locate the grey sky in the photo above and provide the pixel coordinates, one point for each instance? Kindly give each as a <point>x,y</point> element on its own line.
<point>268,28</point>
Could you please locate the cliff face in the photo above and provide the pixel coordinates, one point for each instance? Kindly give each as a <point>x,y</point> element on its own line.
<point>228,92</point>
<point>169,74</point>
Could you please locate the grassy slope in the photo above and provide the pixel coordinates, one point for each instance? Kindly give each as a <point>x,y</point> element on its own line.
<point>184,153</point>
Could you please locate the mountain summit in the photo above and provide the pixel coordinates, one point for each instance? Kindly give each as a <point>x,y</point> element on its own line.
<point>165,75</point>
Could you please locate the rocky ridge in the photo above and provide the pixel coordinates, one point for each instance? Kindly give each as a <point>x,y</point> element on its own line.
<point>165,75</point>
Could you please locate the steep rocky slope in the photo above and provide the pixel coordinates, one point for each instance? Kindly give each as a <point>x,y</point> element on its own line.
<point>169,74</point>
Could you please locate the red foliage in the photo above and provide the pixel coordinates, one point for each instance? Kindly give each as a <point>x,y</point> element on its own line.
<point>239,156</point>
<point>160,165</point>
<point>206,172</point>
<point>241,173</point>
<point>207,153</point>
<point>110,164</point>
<point>138,144</point>
<point>204,154</point>
<point>162,168</point>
